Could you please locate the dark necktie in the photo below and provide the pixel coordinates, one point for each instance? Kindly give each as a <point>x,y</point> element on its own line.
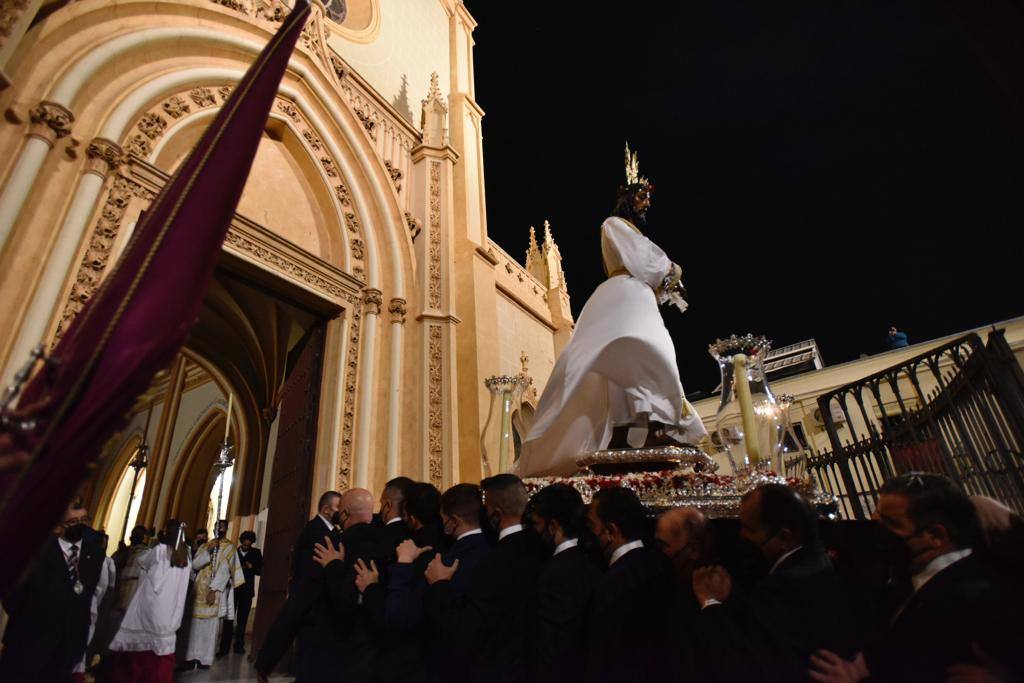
<point>73,564</point>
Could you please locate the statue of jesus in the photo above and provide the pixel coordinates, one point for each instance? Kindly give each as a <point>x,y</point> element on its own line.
<point>616,383</point>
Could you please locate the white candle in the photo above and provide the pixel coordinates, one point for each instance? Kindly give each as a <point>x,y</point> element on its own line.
<point>750,435</point>
<point>227,420</point>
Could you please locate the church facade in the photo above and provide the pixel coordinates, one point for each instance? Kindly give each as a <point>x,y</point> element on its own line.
<point>358,305</point>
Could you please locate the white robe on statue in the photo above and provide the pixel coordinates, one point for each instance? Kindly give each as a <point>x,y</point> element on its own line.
<point>619,365</point>
<point>154,614</point>
<point>213,575</point>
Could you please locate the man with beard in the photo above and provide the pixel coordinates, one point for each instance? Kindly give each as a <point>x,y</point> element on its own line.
<point>957,610</point>
<point>628,630</point>
<point>617,376</point>
<point>564,589</point>
<point>50,611</point>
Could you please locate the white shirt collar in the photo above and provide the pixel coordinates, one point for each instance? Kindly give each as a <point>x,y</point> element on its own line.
<point>565,545</point>
<point>392,521</point>
<point>783,559</point>
<point>471,532</point>
<point>509,530</point>
<point>937,565</point>
<point>66,545</point>
<point>326,521</point>
<point>623,549</point>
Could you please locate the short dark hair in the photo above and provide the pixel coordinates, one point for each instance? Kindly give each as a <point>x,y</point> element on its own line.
<point>327,499</point>
<point>462,501</point>
<point>247,536</point>
<point>507,491</point>
<point>138,535</point>
<point>621,507</point>
<point>935,499</point>
<point>782,507</point>
<point>397,489</point>
<point>200,532</point>
<point>563,504</point>
<point>423,502</point>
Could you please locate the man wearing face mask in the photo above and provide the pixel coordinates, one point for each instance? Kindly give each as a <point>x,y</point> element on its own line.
<point>50,610</point>
<point>800,606</point>
<point>955,599</point>
<point>305,588</point>
<point>629,622</point>
<point>490,622</point>
<point>564,588</point>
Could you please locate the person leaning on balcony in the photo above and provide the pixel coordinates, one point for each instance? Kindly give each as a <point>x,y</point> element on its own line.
<point>896,339</point>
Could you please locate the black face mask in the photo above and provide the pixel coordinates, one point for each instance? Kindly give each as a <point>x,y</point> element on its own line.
<point>74,533</point>
<point>893,551</point>
<point>336,518</point>
<point>750,561</point>
<point>221,533</point>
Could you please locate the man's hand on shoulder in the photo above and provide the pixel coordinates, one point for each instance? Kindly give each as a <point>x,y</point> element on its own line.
<point>324,554</point>
<point>437,570</point>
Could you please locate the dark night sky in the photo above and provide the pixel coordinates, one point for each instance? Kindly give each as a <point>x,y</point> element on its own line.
<point>823,169</point>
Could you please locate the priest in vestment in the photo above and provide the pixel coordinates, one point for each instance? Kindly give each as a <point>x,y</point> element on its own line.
<point>618,373</point>
<point>218,574</point>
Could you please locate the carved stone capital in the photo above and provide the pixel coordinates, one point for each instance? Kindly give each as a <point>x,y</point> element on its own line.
<point>103,156</point>
<point>398,309</point>
<point>50,121</point>
<point>372,300</point>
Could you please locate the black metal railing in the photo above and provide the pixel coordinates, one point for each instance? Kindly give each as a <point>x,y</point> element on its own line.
<point>957,409</point>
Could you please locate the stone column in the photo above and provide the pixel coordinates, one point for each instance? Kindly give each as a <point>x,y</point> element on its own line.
<point>102,156</point>
<point>372,300</point>
<point>50,122</point>
<point>398,310</point>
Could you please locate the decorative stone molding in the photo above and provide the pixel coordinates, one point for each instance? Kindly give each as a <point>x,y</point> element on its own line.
<point>396,175</point>
<point>10,13</point>
<point>283,265</point>
<point>103,156</point>
<point>397,309</point>
<point>434,264</point>
<point>435,398</point>
<point>153,124</point>
<point>372,300</point>
<point>349,414</point>
<point>368,123</point>
<point>101,244</point>
<point>50,121</point>
<point>413,225</point>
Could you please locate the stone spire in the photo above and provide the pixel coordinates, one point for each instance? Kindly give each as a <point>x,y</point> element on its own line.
<point>434,116</point>
<point>535,259</point>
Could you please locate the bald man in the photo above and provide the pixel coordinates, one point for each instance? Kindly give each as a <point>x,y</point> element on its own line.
<point>683,534</point>
<point>362,545</point>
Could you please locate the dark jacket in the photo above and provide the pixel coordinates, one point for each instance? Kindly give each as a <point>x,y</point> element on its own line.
<point>938,624</point>
<point>303,565</point>
<point>49,622</point>
<point>255,558</point>
<point>391,536</point>
<point>353,646</point>
<point>488,624</point>
<point>770,633</point>
<point>562,598</point>
<point>629,619</point>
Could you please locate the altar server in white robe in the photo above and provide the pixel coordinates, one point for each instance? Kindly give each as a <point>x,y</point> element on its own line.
<point>142,651</point>
<point>213,587</point>
<point>619,369</point>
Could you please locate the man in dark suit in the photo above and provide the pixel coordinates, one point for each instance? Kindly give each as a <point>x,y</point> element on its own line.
<point>305,589</point>
<point>50,611</point>
<point>342,622</point>
<point>394,601</point>
<point>955,596</point>
<point>627,632</point>
<point>489,623</point>
<point>251,560</point>
<point>392,514</point>
<point>564,588</point>
<point>801,606</point>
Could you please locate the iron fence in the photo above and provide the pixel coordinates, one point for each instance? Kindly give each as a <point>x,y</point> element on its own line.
<point>957,409</point>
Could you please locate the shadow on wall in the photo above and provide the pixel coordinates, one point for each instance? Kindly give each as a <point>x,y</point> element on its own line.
<point>401,101</point>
